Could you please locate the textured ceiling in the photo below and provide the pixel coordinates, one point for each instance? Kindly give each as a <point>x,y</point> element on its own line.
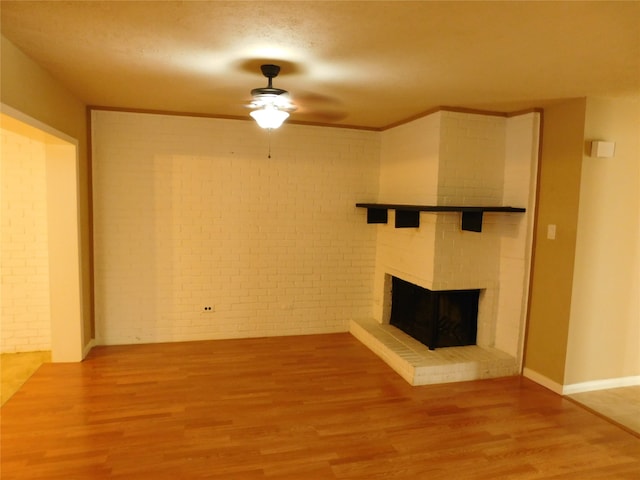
<point>367,64</point>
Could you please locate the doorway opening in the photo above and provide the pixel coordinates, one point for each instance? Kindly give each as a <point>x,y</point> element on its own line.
<point>26,139</point>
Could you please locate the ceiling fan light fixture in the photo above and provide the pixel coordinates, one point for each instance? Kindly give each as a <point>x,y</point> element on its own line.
<point>272,105</point>
<point>269,116</point>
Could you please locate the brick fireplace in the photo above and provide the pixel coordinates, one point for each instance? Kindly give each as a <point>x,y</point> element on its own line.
<point>454,158</point>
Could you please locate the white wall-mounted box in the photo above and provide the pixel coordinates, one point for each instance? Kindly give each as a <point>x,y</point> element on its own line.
<point>602,149</point>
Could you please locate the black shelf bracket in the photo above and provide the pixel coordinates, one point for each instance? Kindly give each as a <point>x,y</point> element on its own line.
<point>377,215</point>
<point>407,218</point>
<point>472,221</point>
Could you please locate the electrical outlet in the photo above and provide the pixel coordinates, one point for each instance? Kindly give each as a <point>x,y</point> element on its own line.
<point>207,309</point>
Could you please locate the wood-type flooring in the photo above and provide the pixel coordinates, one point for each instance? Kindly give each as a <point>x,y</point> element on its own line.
<point>303,408</point>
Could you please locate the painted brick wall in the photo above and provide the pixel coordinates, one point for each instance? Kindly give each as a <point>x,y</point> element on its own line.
<point>412,147</point>
<point>25,323</point>
<point>447,158</point>
<point>520,176</point>
<point>472,156</point>
<point>462,159</point>
<point>190,213</point>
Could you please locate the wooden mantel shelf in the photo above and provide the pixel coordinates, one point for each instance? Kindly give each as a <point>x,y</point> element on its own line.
<point>408,216</point>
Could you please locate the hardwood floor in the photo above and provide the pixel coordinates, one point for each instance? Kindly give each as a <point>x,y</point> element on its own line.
<point>303,408</point>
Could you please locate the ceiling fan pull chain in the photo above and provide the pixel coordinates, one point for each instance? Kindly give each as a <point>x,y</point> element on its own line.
<point>269,156</point>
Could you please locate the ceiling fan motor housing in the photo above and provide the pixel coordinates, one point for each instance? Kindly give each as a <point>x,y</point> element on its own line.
<point>270,71</point>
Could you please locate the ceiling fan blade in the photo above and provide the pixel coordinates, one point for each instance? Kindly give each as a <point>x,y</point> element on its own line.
<point>318,107</point>
<point>320,116</point>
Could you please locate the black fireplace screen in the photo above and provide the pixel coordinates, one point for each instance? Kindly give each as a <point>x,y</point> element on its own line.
<point>445,318</point>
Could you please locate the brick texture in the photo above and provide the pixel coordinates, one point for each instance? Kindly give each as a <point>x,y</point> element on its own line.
<point>453,158</point>
<point>25,323</point>
<point>191,213</point>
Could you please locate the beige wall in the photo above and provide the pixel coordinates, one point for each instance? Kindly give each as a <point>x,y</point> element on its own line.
<point>584,321</point>
<point>28,88</point>
<point>604,331</point>
<point>553,264</point>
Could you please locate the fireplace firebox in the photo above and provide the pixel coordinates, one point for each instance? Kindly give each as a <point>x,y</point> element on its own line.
<point>444,318</point>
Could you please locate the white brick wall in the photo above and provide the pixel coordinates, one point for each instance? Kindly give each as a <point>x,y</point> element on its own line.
<point>25,323</point>
<point>453,158</point>
<point>471,162</point>
<point>412,147</point>
<point>190,212</point>
<point>520,176</point>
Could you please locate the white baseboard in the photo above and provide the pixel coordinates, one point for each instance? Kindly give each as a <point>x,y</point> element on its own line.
<point>542,380</point>
<point>580,387</point>
<point>601,384</point>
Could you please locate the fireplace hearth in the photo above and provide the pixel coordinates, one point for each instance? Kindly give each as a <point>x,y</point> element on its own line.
<point>437,319</point>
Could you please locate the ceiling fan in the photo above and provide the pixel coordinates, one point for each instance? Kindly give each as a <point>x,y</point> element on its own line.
<point>271,105</point>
